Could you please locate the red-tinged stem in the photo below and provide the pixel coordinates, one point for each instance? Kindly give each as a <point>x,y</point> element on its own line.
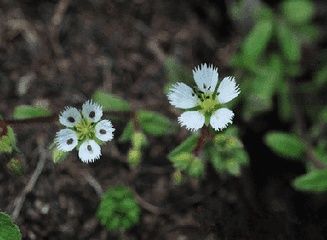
<point>205,135</point>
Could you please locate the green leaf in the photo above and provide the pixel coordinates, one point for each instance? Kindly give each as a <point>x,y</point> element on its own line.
<point>298,11</point>
<point>110,102</point>
<point>154,123</point>
<point>233,167</point>
<point>134,157</point>
<point>261,88</point>
<point>8,230</point>
<point>320,78</point>
<point>285,110</point>
<point>308,33</point>
<point>257,40</point>
<point>5,145</point>
<point>288,42</point>
<point>8,141</point>
<point>127,133</point>
<point>186,146</point>
<point>196,169</point>
<point>27,111</point>
<point>323,115</point>
<point>285,144</point>
<point>182,160</point>
<point>321,150</point>
<point>314,181</point>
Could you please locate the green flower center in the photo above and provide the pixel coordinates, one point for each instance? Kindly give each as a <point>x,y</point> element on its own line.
<point>208,105</point>
<point>85,130</point>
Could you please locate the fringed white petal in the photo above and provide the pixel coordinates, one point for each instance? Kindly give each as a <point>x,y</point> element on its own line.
<point>70,117</point>
<point>182,96</point>
<point>206,77</point>
<point>227,90</point>
<point>221,118</point>
<point>89,151</point>
<point>66,140</point>
<point>92,111</point>
<point>192,120</point>
<point>104,130</point>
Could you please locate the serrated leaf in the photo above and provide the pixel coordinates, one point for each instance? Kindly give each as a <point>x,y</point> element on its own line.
<point>28,111</point>
<point>285,144</point>
<point>154,123</point>
<point>196,169</point>
<point>186,146</point>
<point>8,230</point>
<point>257,40</point>
<point>110,102</point>
<point>314,181</point>
<point>298,11</point>
<point>182,160</point>
<point>233,167</point>
<point>288,42</point>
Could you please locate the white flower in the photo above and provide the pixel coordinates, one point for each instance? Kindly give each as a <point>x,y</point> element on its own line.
<point>89,151</point>
<point>92,111</point>
<point>84,129</point>
<point>66,140</point>
<point>70,117</point>
<point>204,103</point>
<point>104,130</point>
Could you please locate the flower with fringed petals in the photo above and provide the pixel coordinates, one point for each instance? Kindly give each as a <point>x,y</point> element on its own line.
<point>204,103</point>
<point>84,130</point>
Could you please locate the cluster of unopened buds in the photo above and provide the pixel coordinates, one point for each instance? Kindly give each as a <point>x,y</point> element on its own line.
<point>204,105</point>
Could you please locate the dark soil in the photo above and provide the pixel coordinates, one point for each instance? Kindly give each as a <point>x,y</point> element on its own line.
<point>120,46</point>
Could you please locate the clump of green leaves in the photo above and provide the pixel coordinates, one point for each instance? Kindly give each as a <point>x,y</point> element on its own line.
<point>224,151</point>
<point>8,230</point>
<point>118,209</point>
